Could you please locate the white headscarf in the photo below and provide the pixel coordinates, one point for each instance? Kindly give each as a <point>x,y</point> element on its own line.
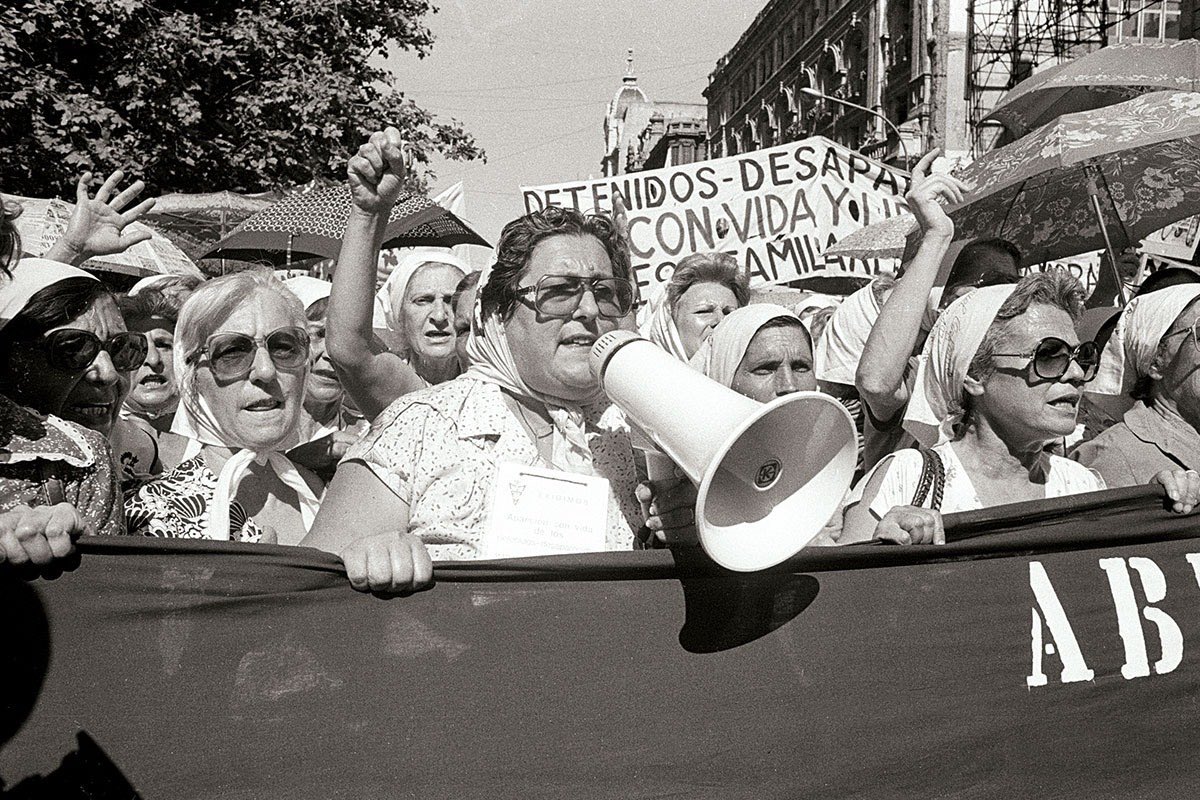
<point>1130,350</point>
<point>195,420</point>
<point>397,282</point>
<point>151,282</point>
<point>936,403</point>
<point>721,354</point>
<point>659,326</point>
<point>492,361</point>
<point>30,276</point>
<point>309,290</point>
<point>841,345</point>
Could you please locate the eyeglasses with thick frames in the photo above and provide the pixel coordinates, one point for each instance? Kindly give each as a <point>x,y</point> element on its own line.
<point>231,355</point>
<point>560,295</point>
<point>1052,357</point>
<point>74,350</point>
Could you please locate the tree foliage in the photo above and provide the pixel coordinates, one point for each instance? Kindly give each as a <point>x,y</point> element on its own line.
<point>202,96</point>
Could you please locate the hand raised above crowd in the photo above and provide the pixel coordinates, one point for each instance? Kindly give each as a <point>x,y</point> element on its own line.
<point>99,226</point>
<point>39,535</point>
<point>377,172</point>
<point>928,192</point>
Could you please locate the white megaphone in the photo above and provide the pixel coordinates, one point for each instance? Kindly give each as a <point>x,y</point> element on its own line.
<point>770,475</point>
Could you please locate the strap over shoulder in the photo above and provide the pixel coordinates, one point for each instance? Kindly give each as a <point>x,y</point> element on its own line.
<point>932,484</point>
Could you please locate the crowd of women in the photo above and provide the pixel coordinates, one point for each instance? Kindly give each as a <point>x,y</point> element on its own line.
<point>371,423</point>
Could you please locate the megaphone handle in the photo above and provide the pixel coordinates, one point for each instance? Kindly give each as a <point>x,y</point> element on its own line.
<point>658,466</point>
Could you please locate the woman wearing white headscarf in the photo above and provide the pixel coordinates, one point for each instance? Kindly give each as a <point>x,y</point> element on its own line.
<point>421,482</point>
<point>1000,377</point>
<point>241,360</point>
<point>1153,359</point>
<point>328,425</point>
<point>762,351</point>
<point>703,289</point>
<point>414,308</point>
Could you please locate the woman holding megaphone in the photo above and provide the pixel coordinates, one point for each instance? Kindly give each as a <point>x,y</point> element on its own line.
<point>421,483</point>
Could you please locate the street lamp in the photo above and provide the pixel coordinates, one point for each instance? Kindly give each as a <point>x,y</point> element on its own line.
<point>811,92</point>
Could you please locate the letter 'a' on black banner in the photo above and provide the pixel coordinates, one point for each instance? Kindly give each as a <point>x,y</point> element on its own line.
<point>1052,650</point>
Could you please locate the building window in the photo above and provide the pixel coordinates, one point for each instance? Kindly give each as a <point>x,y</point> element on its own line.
<point>1139,21</point>
<point>899,22</point>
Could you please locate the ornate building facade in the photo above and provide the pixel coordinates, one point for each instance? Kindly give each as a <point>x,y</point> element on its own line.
<point>640,134</point>
<point>911,74</point>
<point>780,81</point>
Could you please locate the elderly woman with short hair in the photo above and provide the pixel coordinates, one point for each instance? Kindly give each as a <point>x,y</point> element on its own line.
<point>703,289</point>
<point>241,358</point>
<point>421,482</point>
<point>999,378</point>
<point>1153,357</point>
<point>152,398</point>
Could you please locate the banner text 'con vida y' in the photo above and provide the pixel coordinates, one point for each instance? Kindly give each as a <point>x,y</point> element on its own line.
<point>1052,633</point>
<point>777,210</point>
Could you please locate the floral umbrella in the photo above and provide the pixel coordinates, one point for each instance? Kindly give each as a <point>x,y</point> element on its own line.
<point>1097,179</point>
<point>311,224</point>
<point>1101,78</point>
<point>43,222</point>
<point>884,239</point>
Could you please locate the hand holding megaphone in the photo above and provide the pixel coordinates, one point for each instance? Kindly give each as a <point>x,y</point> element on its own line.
<point>669,508</point>
<point>768,476</point>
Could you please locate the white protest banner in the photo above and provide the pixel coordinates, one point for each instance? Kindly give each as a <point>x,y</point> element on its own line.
<point>1177,242</point>
<point>776,210</point>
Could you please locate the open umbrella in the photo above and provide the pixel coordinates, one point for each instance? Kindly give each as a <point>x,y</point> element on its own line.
<point>1097,179</point>
<point>313,223</point>
<point>1101,78</point>
<point>43,222</point>
<point>884,239</point>
<point>198,221</point>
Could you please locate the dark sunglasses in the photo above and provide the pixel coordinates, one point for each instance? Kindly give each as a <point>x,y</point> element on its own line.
<point>74,350</point>
<point>231,355</point>
<point>1052,357</point>
<point>560,295</point>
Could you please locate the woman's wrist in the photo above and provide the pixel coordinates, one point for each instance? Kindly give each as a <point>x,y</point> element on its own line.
<point>360,214</point>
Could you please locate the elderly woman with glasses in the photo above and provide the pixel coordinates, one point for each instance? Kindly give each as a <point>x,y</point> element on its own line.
<point>1000,378</point>
<point>57,479</point>
<point>241,360</point>
<point>421,482</point>
<point>1153,358</point>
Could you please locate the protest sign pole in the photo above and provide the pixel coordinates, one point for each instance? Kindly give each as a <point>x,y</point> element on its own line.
<point>811,92</point>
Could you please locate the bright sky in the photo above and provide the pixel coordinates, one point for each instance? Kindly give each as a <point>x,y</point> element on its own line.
<point>531,79</point>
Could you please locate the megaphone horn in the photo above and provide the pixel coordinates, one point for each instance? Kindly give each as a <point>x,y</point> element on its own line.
<point>769,475</point>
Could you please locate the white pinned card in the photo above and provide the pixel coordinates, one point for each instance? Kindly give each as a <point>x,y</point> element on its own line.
<point>539,512</point>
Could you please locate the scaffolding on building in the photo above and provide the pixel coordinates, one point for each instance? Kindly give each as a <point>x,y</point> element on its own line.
<point>1007,40</point>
